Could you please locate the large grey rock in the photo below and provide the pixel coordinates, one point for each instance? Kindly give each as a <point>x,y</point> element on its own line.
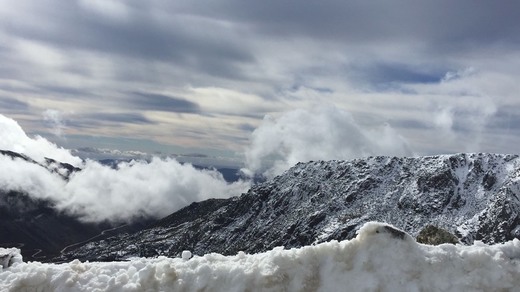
<point>433,235</point>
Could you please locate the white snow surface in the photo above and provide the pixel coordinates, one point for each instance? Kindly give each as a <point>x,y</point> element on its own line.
<point>376,260</point>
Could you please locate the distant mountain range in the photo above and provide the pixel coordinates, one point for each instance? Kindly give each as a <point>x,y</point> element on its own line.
<point>474,196</point>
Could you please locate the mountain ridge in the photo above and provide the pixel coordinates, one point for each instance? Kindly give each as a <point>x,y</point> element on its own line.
<point>474,196</point>
<point>35,225</point>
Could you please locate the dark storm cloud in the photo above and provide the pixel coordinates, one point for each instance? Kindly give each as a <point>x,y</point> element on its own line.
<point>62,90</point>
<point>216,38</point>
<point>246,127</point>
<point>409,124</point>
<point>140,36</point>
<point>437,21</point>
<point>159,102</point>
<point>12,104</point>
<point>5,53</point>
<point>506,118</point>
<point>101,118</point>
<point>389,76</point>
<point>381,73</point>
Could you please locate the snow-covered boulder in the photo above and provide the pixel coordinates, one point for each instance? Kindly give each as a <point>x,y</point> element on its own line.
<point>9,257</point>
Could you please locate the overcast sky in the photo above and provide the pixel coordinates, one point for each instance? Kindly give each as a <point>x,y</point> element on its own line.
<point>200,76</point>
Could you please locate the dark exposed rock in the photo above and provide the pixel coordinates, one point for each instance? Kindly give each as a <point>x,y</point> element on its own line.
<point>15,155</point>
<point>488,181</point>
<point>395,232</point>
<point>434,236</point>
<point>37,228</point>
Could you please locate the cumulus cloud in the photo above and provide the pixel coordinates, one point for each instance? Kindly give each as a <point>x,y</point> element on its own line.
<point>464,122</point>
<point>444,118</point>
<point>136,189</point>
<point>464,104</point>
<point>97,192</point>
<point>54,118</point>
<point>156,188</point>
<point>454,75</point>
<point>322,133</point>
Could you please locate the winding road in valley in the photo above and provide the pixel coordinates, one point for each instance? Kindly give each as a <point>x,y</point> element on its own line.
<point>92,238</point>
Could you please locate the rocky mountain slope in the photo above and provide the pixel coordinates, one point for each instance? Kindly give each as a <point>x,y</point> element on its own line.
<point>36,227</point>
<point>474,196</point>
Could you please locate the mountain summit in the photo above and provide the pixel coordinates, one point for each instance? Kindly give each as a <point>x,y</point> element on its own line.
<point>474,196</point>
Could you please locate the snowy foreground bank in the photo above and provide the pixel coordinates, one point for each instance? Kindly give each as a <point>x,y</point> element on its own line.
<point>380,258</point>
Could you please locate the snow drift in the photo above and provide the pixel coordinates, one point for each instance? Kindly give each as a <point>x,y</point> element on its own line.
<point>380,258</point>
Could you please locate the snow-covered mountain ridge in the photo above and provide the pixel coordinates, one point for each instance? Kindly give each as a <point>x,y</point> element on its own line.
<point>475,196</point>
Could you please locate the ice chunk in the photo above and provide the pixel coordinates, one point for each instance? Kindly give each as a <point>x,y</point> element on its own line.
<point>9,257</point>
<point>186,255</point>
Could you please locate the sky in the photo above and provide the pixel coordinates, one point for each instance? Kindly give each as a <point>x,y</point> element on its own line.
<point>254,82</point>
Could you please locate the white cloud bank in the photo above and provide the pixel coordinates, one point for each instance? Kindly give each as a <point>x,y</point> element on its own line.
<point>375,260</point>
<point>13,138</point>
<point>54,118</point>
<point>97,192</point>
<point>162,186</point>
<point>323,133</point>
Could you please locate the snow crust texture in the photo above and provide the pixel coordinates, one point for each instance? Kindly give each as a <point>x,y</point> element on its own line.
<point>473,196</point>
<point>380,258</point>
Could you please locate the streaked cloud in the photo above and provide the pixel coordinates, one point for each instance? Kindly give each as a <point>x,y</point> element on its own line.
<point>201,71</point>
<point>13,104</point>
<point>160,102</point>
